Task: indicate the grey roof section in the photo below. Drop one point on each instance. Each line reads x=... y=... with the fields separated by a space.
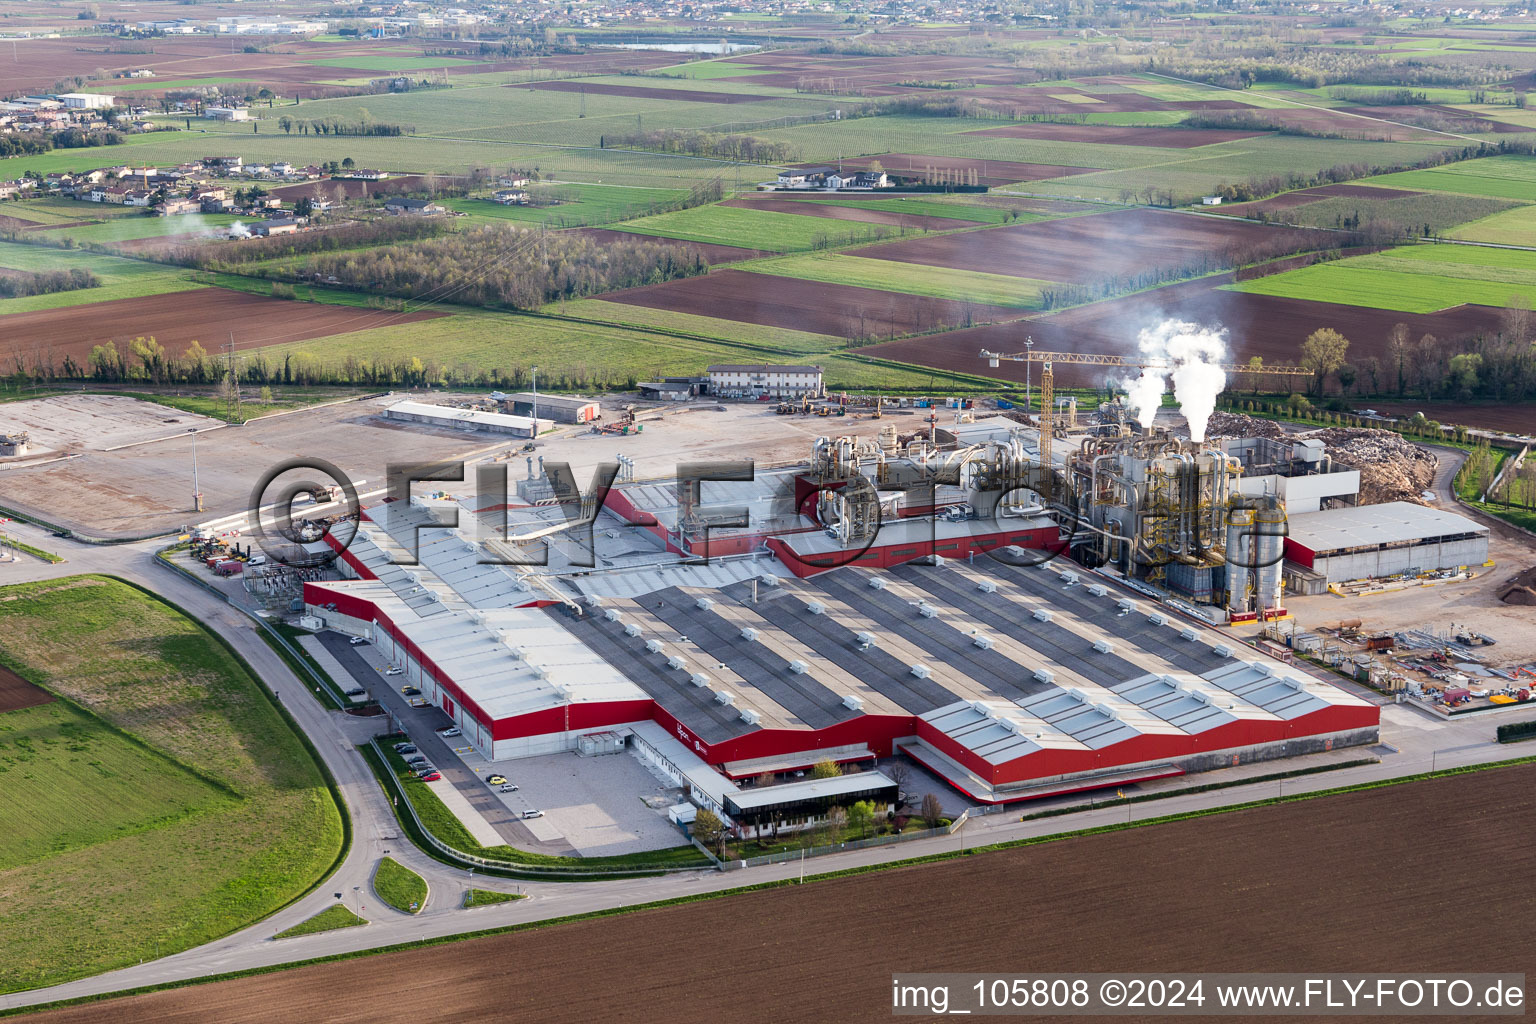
x=763 y=368
x=1188 y=709
x=1389 y=523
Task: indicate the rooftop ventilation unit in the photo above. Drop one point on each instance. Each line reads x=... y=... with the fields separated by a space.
x=815 y=607
x=921 y=671
x=1069 y=578
x=612 y=615
x=1224 y=650
x=877 y=583
x=798 y=667
x=471 y=546
x=704 y=604
x=593 y=601
x=984 y=642
x=676 y=661
x=434 y=596
x=1044 y=614
x=1098 y=590
x=1045 y=675
x=1294 y=683
x=1200 y=695
x=1125 y=607
x=632 y=629
x=854 y=701
x=748 y=633
x=477 y=615
x=1107 y=711
x=769 y=580
x=1265 y=668
x=751 y=717
x=1158 y=619
x=539 y=671
x=938 y=561
x=725 y=698
x=699 y=679
x=926 y=610
x=1103 y=646
x=653 y=645
x=866 y=639
x=987 y=586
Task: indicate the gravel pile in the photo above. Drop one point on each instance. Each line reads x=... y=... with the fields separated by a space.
x=1521 y=589
x=1391 y=468
x=1235 y=424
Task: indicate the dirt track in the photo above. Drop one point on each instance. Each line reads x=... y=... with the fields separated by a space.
x=1083 y=249
x=1120 y=135
x=16 y=692
x=177 y=319
x=836 y=309
x=1345 y=883
x=1260 y=325
x=811 y=208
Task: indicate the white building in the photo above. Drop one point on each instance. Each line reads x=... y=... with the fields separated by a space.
x=460 y=419
x=1371 y=541
x=227 y=113
x=753 y=379
x=85 y=100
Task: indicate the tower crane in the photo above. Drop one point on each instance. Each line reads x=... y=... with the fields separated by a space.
x=994 y=359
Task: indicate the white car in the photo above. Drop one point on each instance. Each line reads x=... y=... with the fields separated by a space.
x=358 y=641
x=452 y=730
x=530 y=813
x=392 y=671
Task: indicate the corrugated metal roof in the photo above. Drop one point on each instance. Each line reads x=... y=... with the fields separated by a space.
x=1389 y=523
x=467 y=417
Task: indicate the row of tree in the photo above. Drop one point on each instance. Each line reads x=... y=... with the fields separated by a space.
x=737 y=148
x=348 y=235
x=336 y=126
x=16 y=284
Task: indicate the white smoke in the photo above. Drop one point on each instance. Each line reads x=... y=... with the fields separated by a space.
x=1189 y=353
x=239 y=230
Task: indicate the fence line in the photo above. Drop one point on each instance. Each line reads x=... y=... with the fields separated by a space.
x=856 y=844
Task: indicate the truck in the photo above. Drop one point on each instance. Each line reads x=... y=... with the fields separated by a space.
x=233 y=567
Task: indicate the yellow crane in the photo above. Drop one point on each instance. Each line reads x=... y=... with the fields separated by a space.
x=994 y=359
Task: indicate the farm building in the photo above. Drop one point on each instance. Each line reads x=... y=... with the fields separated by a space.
x=556 y=408
x=460 y=419
x=1370 y=541
x=226 y=113
x=85 y=100
x=414 y=206
x=753 y=379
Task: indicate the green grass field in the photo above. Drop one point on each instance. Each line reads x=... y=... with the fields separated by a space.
x=170 y=802
x=127 y=229
x=1511 y=227
x=712 y=69
x=907 y=278
x=757 y=229
x=329 y=919
x=1497 y=177
x=1413 y=279
x=399 y=886
x=367 y=63
x=957 y=209
x=121 y=278
x=596 y=205
x=486 y=898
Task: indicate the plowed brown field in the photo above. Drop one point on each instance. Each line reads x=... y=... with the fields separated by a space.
x=1097 y=246
x=1292 y=887
x=1120 y=135
x=988 y=172
x=832 y=210
x=649 y=92
x=16 y=692
x=175 y=320
x=836 y=309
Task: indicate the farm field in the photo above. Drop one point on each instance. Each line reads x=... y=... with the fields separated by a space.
x=596 y=204
x=208 y=315
x=1515 y=226
x=1496 y=177
x=131 y=229
x=161 y=759
x=909 y=279
x=757 y=229
x=1414 y=279
x=1259 y=325
x=837 y=309
x=1305 y=917
x=864 y=215
x=955 y=208
x=714 y=254
x=121 y=278
x=1074 y=248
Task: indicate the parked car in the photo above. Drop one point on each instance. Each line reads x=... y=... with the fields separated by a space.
x=425 y=770
x=507 y=787
x=406 y=747
x=418 y=702
x=411 y=691
x=358 y=641
x=495 y=779
x=452 y=730
x=531 y=813
x=416 y=759
x=392 y=671
x=431 y=776
x=356 y=691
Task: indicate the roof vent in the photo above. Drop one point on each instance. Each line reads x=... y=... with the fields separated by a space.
x=984 y=642
x=632 y=629
x=1106 y=711
x=676 y=661
x=1103 y=646
x=725 y=698
x=1224 y=650
x=877 y=583
x=699 y=679
x=1125 y=607
x=653 y=645
x=938 y=561
x=798 y=667
x=1045 y=675
x=1294 y=683
x=926 y=610
x=751 y=717
x=471 y=546
x=854 y=701
x=1189 y=633
x=539 y=671
x=593 y=601
x=1098 y=589
x=612 y=615
x=704 y=604
x=748 y=633
x=815 y=607
x=921 y=671
x=1069 y=578
x=1199 y=695
x=1044 y=614
x=477 y=615
x=987 y=586
x=769 y=580
x=1157 y=619
x=866 y=639
x=1265 y=668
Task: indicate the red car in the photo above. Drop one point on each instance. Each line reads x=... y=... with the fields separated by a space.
x=431 y=776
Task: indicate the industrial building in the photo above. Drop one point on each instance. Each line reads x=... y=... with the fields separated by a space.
x=751 y=380
x=17 y=443
x=431 y=415
x=555 y=408
x=1371 y=541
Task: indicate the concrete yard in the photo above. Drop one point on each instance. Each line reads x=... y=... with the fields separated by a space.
x=593 y=803
x=65 y=424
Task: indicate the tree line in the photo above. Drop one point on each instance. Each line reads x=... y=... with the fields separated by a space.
x=349 y=235
x=736 y=148
x=17 y=284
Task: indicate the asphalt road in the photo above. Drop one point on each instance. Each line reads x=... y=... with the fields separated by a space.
x=1420 y=742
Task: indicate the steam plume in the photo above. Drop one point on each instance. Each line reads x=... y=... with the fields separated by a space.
x=1189 y=353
